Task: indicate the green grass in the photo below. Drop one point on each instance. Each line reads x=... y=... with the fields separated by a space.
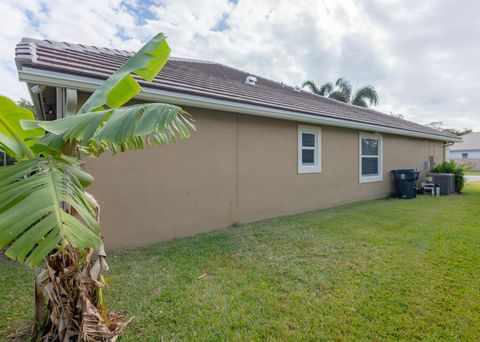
x=472 y=173
x=377 y=270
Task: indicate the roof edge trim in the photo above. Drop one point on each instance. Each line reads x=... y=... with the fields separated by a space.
x=58 y=79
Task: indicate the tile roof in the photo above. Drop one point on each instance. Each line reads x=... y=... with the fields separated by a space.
x=203 y=78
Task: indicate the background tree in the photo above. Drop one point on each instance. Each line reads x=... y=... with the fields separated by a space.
x=47 y=217
x=24 y=103
x=343 y=91
x=324 y=90
x=398 y=116
x=458 y=132
x=438 y=125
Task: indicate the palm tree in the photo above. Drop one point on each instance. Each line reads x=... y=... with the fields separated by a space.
x=343 y=92
x=364 y=94
x=24 y=103
x=323 y=90
x=46 y=216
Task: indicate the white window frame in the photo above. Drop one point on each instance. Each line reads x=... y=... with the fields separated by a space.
x=379 y=177
x=317 y=155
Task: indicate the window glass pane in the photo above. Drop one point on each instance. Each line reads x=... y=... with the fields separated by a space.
x=464 y=155
x=308 y=139
x=5 y=159
x=369 y=166
x=10 y=160
x=370 y=147
x=308 y=157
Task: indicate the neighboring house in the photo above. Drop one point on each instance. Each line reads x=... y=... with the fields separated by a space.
x=467 y=151
x=262 y=149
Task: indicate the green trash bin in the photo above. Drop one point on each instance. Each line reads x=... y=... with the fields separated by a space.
x=405 y=183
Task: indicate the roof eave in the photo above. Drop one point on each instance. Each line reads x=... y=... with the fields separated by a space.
x=465 y=150
x=59 y=79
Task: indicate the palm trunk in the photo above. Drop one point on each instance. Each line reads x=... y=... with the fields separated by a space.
x=69 y=299
x=69 y=302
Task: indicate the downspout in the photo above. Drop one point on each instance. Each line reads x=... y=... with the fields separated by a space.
x=66 y=102
x=71 y=99
x=445 y=146
x=67 y=105
x=35 y=91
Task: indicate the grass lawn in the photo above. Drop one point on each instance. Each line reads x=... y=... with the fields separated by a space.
x=377 y=270
x=472 y=173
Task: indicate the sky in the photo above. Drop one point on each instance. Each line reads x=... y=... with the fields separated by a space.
x=421 y=56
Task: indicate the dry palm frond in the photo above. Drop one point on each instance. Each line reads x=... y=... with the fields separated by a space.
x=71 y=294
x=69 y=288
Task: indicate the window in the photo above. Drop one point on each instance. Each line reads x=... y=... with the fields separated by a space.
x=464 y=155
x=5 y=159
x=371 y=164
x=309 y=149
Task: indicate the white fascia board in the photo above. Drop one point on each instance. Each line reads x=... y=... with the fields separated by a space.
x=58 y=79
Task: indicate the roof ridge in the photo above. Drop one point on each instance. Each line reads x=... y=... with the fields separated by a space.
x=92 y=48
x=76 y=47
x=252 y=74
x=191 y=60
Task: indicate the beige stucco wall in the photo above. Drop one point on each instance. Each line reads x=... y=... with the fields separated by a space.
x=235 y=168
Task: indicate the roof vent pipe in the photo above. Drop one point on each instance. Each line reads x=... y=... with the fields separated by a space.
x=297 y=88
x=251 y=80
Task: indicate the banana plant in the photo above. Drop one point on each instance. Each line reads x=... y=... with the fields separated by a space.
x=46 y=216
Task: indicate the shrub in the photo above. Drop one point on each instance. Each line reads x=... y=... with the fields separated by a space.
x=452 y=167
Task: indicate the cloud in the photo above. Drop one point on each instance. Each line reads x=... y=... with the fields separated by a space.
x=420 y=56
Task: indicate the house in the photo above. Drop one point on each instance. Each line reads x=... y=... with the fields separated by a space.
x=467 y=152
x=262 y=149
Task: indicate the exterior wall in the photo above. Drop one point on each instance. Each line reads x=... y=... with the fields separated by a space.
x=235 y=168
x=458 y=154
